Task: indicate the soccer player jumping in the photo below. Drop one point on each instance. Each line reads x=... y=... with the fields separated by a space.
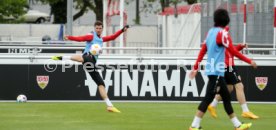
x=217 y=40
x=87 y=57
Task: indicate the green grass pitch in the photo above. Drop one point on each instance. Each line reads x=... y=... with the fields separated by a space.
x=134 y=116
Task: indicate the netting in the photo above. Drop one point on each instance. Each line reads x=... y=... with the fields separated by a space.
x=259 y=24
x=183 y=30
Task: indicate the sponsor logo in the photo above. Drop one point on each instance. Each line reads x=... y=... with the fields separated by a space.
x=126 y=84
x=42 y=81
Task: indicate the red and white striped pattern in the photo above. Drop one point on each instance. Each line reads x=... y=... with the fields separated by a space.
x=244 y=21
x=113 y=9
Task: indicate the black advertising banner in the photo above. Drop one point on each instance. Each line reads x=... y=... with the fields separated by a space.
x=14 y=80
x=125 y=82
x=259 y=84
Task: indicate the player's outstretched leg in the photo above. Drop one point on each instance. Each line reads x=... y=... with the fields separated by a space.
x=110 y=107
x=113 y=109
x=77 y=58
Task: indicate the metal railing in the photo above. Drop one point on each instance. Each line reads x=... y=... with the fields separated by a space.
x=135 y=50
x=138 y=53
x=81 y=47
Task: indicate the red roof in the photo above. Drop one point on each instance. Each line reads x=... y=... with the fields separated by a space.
x=196 y=8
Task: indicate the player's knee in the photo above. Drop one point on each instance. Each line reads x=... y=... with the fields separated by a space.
x=203 y=106
x=230 y=88
x=211 y=93
x=101 y=85
x=218 y=97
x=208 y=98
x=80 y=59
x=225 y=97
x=77 y=58
x=239 y=87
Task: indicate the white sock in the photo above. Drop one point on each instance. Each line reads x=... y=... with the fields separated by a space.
x=66 y=57
x=236 y=122
x=108 y=102
x=214 y=102
x=244 y=108
x=196 y=122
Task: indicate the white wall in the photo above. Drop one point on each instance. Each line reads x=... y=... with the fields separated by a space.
x=183 y=31
x=29 y=31
x=137 y=36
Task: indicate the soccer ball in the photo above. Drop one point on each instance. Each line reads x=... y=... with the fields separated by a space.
x=96 y=49
x=21 y=98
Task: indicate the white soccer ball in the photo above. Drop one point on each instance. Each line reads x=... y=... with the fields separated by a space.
x=96 y=49
x=21 y=98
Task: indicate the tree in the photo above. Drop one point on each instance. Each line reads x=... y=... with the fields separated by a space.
x=164 y=4
x=85 y=5
x=11 y=9
x=137 y=16
x=191 y=1
x=59 y=13
x=147 y=7
x=59 y=9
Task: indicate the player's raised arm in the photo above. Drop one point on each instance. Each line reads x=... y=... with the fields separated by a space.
x=115 y=35
x=87 y=37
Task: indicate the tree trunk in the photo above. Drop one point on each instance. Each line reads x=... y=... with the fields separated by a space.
x=58 y=12
x=191 y=1
x=164 y=4
x=99 y=10
x=137 y=19
x=85 y=4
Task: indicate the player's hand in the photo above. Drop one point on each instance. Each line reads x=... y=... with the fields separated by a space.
x=65 y=38
x=192 y=74
x=253 y=64
x=124 y=29
x=244 y=45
